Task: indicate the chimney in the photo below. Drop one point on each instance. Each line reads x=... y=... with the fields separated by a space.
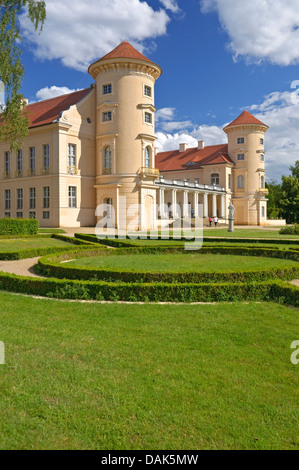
x=183 y=147
x=201 y=145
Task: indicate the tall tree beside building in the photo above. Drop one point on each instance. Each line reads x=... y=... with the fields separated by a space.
x=14 y=121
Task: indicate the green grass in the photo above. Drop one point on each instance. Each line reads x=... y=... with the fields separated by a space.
x=11 y=245
x=181 y=262
x=241 y=233
x=51 y=230
x=90 y=376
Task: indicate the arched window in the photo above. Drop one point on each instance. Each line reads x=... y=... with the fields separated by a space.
x=262 y=182
x=107 y=161
x=215 y=180
x=241 y=182
x=147 y=157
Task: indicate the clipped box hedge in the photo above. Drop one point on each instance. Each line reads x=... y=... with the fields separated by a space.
x=51 y=266
x=151 y=292
x=18 y=227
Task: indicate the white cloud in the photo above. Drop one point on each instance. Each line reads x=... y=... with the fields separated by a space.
x=53 y=91
x=171 y=5
x=78 y=33
x=279 y=110
x=260 y=29
x=165 y=121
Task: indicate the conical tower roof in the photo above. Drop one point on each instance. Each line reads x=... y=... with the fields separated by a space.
x=246 y=118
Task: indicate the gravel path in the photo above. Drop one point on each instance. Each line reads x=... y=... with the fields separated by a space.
x=22 y=267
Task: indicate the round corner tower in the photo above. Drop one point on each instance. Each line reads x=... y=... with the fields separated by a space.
x=125 y=129
x=246 y=147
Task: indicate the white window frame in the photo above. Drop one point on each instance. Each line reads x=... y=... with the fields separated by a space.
x=7 y=199
x=242 y=139
x=32 y=198
x=107 y=160
x=72 y=157
x=46 y=156
x=241 y=157
x=46 y=197
x=147 y=114
x=216 y=177
x=147 y=87
x=106 y=85
x=32 y=158
x=147 y=156
x=72 y=198
x=262 y=157
x=105 y=117
x=241 y=182
x=20 y=160
x=20 y=197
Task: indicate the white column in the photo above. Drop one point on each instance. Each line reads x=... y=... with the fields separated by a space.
x=162 y=202
x=174 y=202
x=222 y=206
x=214 y=214
x=185 y=205
x=195 y=202
x=205 y=205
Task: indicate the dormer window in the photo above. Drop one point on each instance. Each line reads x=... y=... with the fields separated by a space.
x=107 y=89
x=148 y=91
x=241 y=140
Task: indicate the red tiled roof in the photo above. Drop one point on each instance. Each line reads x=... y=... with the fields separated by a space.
x=126 y=51
x=192 y=158
x=47 y=111
x=245 y=118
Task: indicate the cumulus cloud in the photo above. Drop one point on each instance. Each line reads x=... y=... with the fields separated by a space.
x=260 y=30
x=53 y=91
x=279 y=110
x=78 y=33
x=171 y=5
x=165 y=121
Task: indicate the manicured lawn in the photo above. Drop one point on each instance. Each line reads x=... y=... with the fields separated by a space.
x=9 y=245
x=247 y=233
x=181 y=262
x=90 y=376
x=51 y=230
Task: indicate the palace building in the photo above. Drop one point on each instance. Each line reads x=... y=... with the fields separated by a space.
x=97 y=147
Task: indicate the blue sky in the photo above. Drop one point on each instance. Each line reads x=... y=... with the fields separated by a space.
x=218 y=58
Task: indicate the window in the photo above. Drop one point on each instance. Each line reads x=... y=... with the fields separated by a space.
x=32 y=198
x=196 y=180
x=263 y=211
x=46 y=215
x=72 y=196
x=215 y=180
x=147 y=158
x=241 y=182
x=262 y=157
x=147 y=91
x=19 y=161
x=240 y=156
x=71 y=158
x=230 y=181
x=46 y=151
x=7 y=215
x=7 y=162
x=262 y=182
x=107 y=161
x=107 y=89
x=106 y=117
x=109 y=209
x=262 y=141
x=46 y=197
x=7 y=199
x=148 y=118
x=19 y=198
x=32 y=215
x=32 y=159
x=19 y=215
x=240 y=140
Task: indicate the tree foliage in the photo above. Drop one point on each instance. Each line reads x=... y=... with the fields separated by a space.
x=14 y=120
x=283 y=200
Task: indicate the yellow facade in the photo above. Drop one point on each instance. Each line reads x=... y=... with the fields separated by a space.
x=112 y=130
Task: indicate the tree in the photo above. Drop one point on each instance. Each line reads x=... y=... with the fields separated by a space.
x=295 y=170
x=14 y=120
x=274 y=206
x=290 y=198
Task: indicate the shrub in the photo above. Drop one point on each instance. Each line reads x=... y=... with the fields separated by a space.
x=18 y=227
x=290 y=230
